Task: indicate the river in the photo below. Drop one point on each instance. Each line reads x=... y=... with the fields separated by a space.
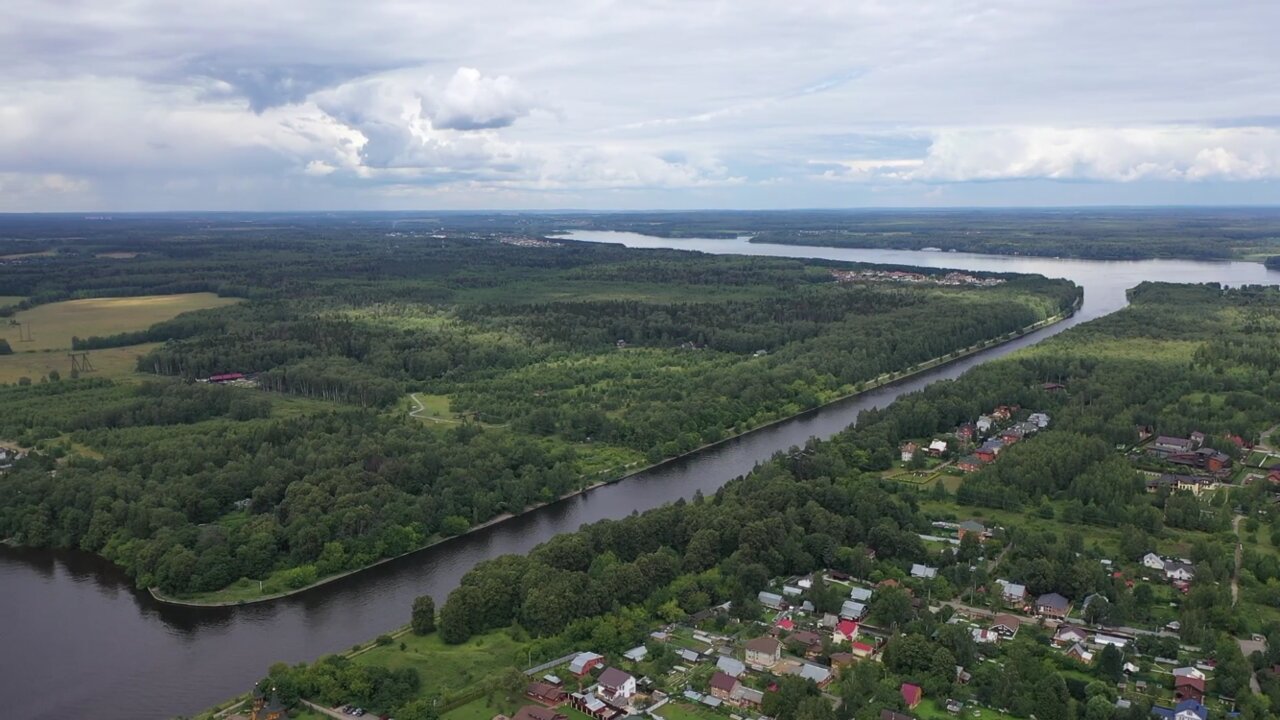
x=77 y=641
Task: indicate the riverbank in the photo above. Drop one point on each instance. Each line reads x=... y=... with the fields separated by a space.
x=212 y=600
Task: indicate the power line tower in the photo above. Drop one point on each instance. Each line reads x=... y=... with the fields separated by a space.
x=80 y=363
x=24 y=330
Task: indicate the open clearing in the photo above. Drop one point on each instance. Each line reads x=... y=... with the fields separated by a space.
x=53 y=325
x=10 y=300
x=108 y=363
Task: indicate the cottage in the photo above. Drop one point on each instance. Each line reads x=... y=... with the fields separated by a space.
x=1013 y=593
x=1041 y=420
x=1175 y=570
x=908 y=451
x=1052 y=605
x=983 y=424
x=583 y=663
x=816 y=674
x=1006 y=625
x=743 y=696
x=773 y=601
x=730 y=666
x=786 y=624
x=1189 y=672
x=862 y=650
x=972 y=527
x=860 y=594
x=1069 y=635
x=1112 y=640
x=637 y=653
x=810 y=643
x=593 y=706
x=911 y=695
x=537 y=712
x=923 y=571
x=1185 y=710
x=1153 y=561
x=846 y=631
x=1188 y=688
x=722 y=685
x=791 y=591
x=1081 y=653
x=989 y=450
x=937 y=448
x=763 y=652
x=1165 y=445
x=852 y=610
x=544 y=693
x=616 y=687
x=689 y=656
x=969 y=463
x=985 y=637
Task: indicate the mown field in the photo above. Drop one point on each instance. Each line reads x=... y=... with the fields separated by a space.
x=52 y=326
x=108 y=363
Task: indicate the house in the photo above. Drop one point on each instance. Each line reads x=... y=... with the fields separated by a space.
x=965 y=432
x=1185 y=710
x=773 y=601
x=636 y=654
x=846 y=631
x=743 y=696
x=843 y=659
x=923 y=571
x=894 y=715
x=1188 y=688
x=791 y=591
x=730 y=666
x=1069 y=635
x=1153 y=561
x=985 y=637
x=722 y=685
x=1052 y=605
x=989 y=450
x=1006 y=625
x=1081 y=653
x=1176 y=570
x=810 y=642
x=583 y=663
x=1039 y=419
x=544 y=693
x=911 y=695
x=593 y=706
x=983 y=424
x=537 y=712
x=1013 y=593
x=852 y=610
x=763 y=652
x=816 y=674
x=972 y=463
x=861 y=650
x=786 y=624
x=972 y=527
x=1165 y=445
x=616 y=687
x=1013 y=435
x=1188 y=672
x=268 y=708
x=937 y=447
x=908 y=451
x=860 y=594
x=1197 y=438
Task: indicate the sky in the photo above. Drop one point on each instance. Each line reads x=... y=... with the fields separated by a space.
x=141 y=105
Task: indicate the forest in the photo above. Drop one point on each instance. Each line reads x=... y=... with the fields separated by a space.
x=552 y=367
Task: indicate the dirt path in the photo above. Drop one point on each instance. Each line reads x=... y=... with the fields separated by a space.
x=423 y=408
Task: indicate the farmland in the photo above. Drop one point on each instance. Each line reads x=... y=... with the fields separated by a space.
x=110 y=363
x=52 y=326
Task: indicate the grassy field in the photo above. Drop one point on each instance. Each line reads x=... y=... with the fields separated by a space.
x=53 y=325
x=109 y=363
x=10 y=300
x=455 y=668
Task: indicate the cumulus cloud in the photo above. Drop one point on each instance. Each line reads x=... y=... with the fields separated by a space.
x=1177 y=153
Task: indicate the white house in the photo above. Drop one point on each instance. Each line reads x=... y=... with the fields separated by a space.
x=937 y=447
x=1112 y=640
x=1153 y=561
x=637 y=653
x=1178 y=571
x=1040 y=419
x=1188 y=672
x=1013 y=593
x=985 y=637
x=984 y=423
x=616 y=686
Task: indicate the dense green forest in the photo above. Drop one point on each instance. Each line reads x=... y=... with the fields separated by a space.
x=547 y=368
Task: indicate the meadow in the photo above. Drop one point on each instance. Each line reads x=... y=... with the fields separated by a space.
x=112 y=363
x=52 y=326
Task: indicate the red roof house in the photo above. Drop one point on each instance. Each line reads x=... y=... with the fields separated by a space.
x=1188 y=687
x=912 y=695
x=787 y=624
x=846 y=631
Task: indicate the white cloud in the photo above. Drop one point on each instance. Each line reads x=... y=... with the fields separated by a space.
x=1175 y=153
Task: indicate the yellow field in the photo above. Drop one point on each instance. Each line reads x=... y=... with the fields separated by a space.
x=110 y=363
x=53 y=325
